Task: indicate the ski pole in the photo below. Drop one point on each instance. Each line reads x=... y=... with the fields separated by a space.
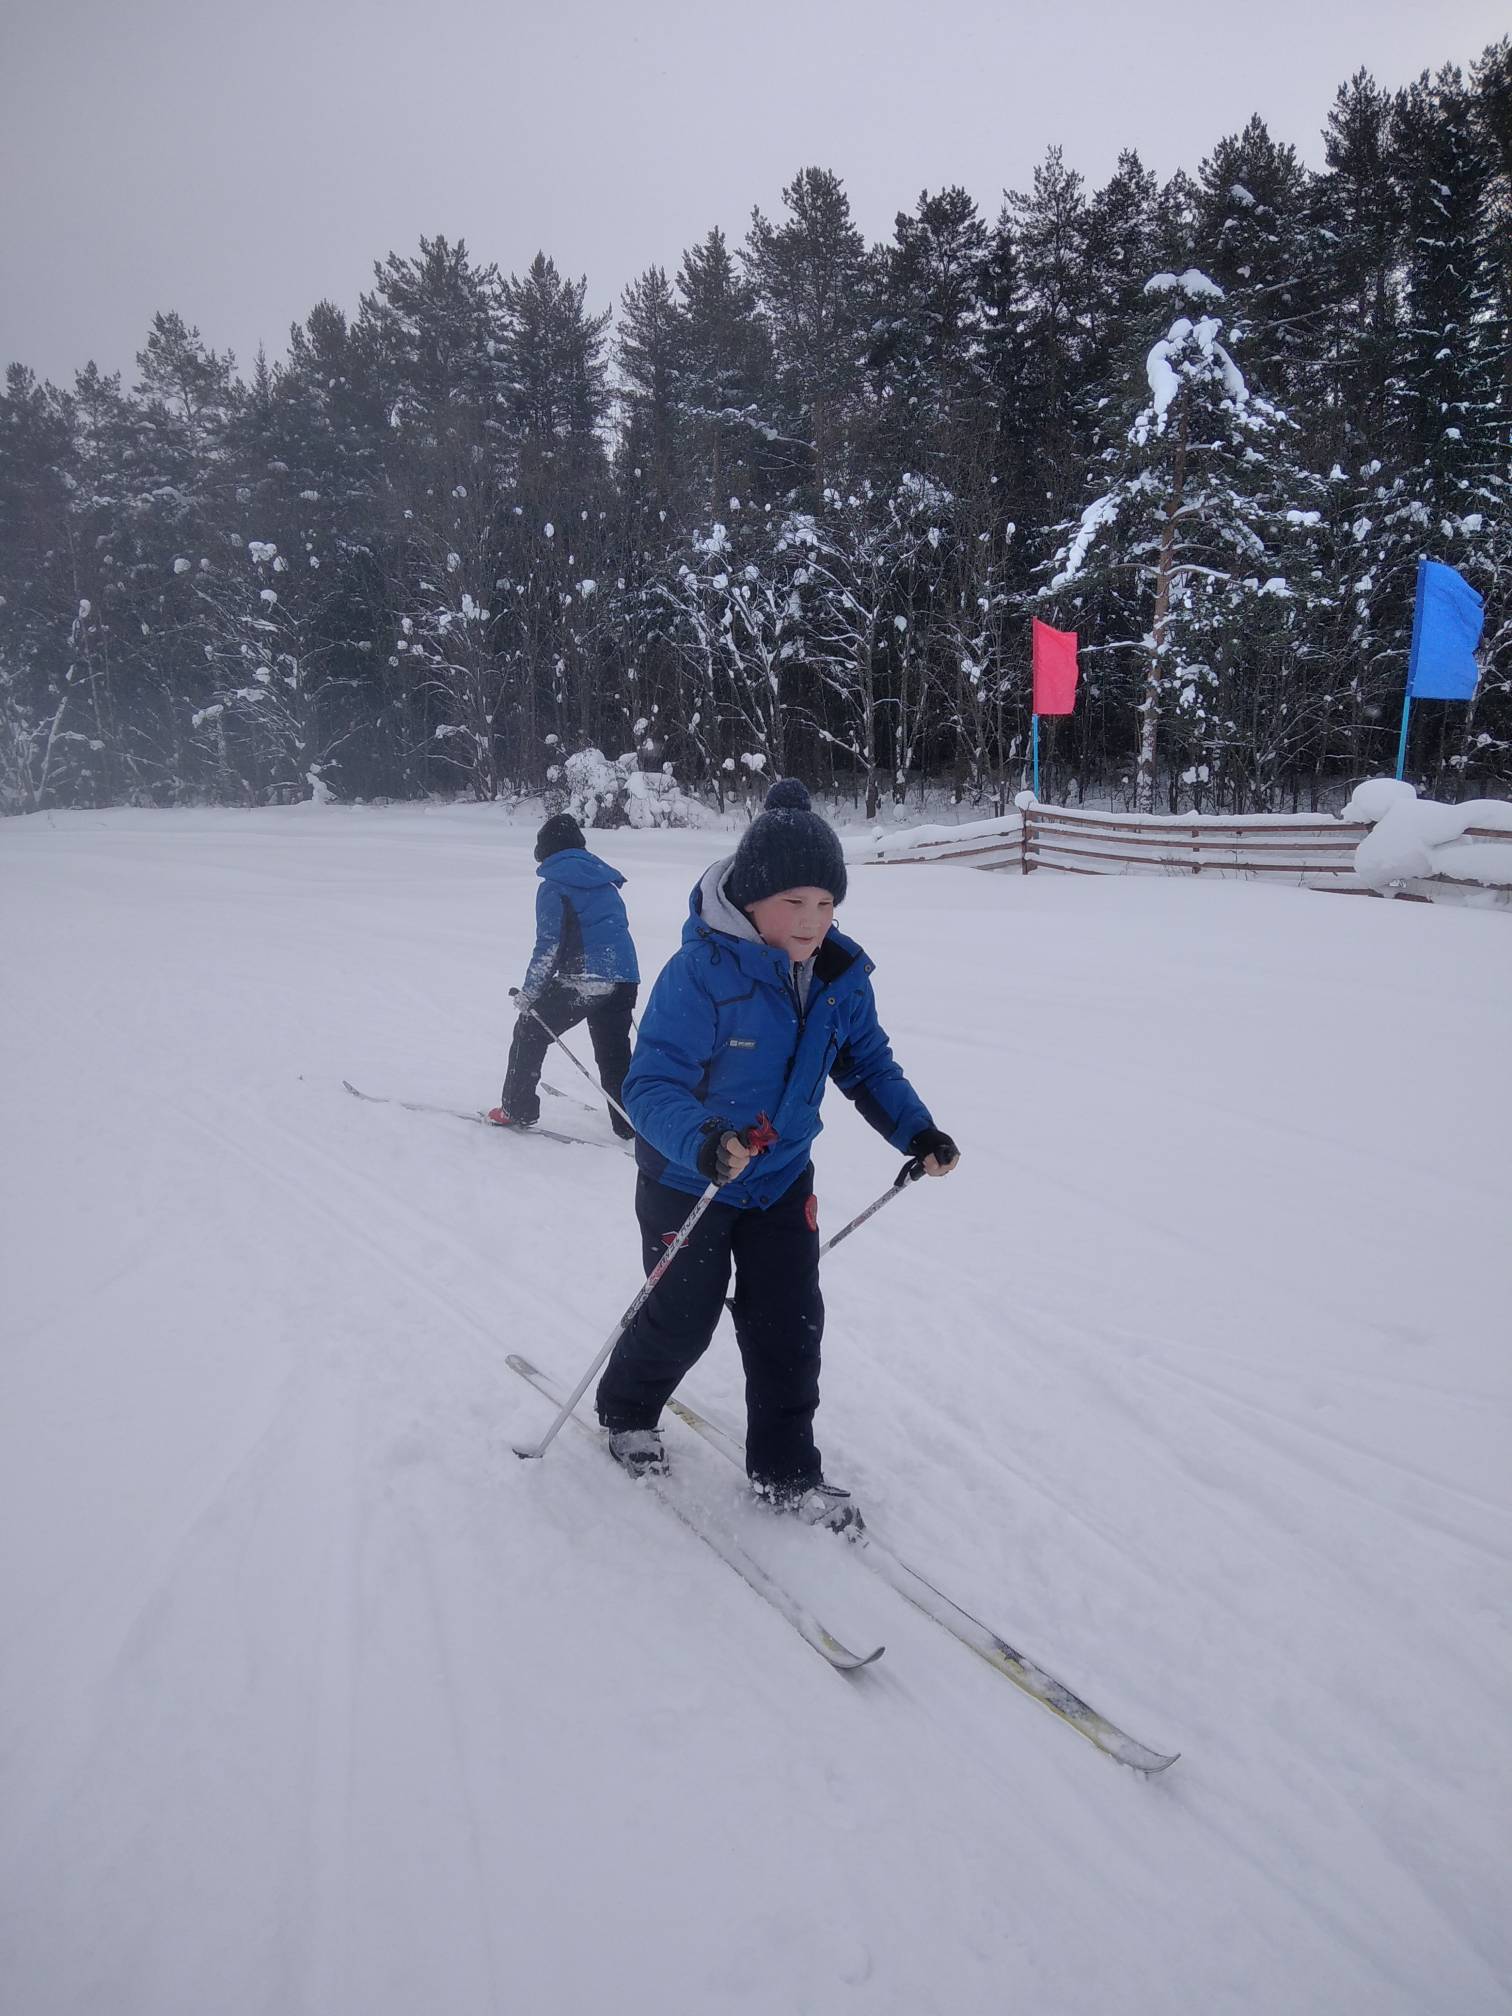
x=757 y=1137
x=514 y=995
x=911 y=1171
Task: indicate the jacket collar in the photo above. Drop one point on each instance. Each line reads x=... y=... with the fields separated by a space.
x=714 y=919
x=579 y=869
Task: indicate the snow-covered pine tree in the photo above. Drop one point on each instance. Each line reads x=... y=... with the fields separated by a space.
x=1196 y=558
x=1485 y=760
x=160 y=532
x=307 y=477
x=1443 y=487
x=57 y=732
x=1257 y=237
x=1359 y=217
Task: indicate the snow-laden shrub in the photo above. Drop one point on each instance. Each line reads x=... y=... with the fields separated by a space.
x=601 y=792
x=1414 y=839
x=653 y=798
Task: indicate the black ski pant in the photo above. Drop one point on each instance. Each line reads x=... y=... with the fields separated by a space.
x=560 y=1008
x=779 y=1321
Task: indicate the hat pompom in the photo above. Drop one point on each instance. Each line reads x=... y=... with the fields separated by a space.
x=788 y=795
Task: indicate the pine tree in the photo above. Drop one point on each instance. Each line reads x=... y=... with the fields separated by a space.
x=1122 y=251
x=1443 y=489
x=649 y=351
x=552 y=359
x=1198 y=540
x=1485 y=759
x=812 y=280
x=430 y=327
x=809 y=525
x=725 y=389
x=1256 y=236
x=49 y=747
x=1361 y=212
x=925 y=348
x=1050 y=230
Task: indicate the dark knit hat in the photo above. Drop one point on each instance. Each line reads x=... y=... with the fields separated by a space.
x=788 y=846
x=559 y=832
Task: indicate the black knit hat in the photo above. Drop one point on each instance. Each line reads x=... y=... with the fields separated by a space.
x=788 y=846
x=560 y=832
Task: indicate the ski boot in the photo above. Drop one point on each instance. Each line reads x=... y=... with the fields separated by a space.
x=819 y=1503
x=639 y=1450
x=497 y=1117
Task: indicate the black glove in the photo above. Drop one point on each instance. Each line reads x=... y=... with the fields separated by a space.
x=713 y=1157
x=930 y=1141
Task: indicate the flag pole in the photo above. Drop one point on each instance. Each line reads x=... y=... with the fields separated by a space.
x=1036 y=755
x=1418 y=597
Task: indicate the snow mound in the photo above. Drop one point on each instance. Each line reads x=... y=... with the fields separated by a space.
x=1414 y=839
x=600 y=791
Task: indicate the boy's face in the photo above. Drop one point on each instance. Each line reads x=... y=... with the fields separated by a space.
x=794 y=920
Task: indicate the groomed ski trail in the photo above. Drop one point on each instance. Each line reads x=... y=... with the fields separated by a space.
x=310 y=1702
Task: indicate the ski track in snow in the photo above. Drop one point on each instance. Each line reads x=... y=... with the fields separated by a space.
x=316 y=1700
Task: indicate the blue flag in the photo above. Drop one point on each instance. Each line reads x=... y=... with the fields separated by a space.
x=1446 y=627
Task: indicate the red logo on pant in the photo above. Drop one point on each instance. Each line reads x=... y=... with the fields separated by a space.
x=811 y=1213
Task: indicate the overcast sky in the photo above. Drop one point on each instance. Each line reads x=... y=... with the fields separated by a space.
x=240 y=162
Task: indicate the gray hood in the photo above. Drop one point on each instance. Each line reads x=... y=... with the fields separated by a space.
x=718 y=911
x=720 y=914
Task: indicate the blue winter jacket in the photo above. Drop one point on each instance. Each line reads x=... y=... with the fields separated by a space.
x=582 y=932
x=723 y=1038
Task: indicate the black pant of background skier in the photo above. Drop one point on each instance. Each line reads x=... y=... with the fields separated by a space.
x=562 y=1004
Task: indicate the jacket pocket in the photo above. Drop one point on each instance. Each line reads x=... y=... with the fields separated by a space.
x=831 y=1051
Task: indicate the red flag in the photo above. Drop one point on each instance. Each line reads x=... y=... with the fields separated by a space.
x=1054 y=669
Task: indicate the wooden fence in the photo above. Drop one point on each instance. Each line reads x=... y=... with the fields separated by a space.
x=1311 y=850
x=1298 y=849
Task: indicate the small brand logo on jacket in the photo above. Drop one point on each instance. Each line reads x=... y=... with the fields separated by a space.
x=741 y=1043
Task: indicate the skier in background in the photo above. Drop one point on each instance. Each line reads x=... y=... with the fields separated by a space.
x=763 y=1003
x=582 y=970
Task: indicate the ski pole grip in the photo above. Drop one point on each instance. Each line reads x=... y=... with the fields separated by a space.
x=760 y=1135
x=911 y=1171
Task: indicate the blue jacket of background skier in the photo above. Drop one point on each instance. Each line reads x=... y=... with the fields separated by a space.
x=582 y=932
x=724 y=1037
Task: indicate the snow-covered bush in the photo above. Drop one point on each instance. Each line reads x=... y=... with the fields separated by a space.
x=653 y=798
x=600 y=791
x=1414 y=839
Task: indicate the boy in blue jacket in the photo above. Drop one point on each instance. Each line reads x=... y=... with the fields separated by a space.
x=582 y=970
x=763 y=1004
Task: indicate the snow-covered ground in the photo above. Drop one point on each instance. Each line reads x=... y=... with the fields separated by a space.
x=1194 y=1381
